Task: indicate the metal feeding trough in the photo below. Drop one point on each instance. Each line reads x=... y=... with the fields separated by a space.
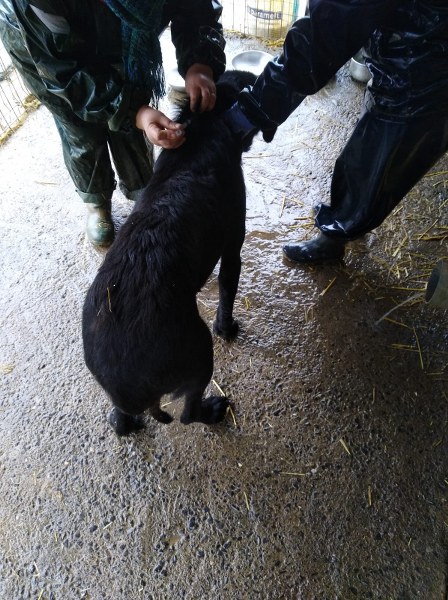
x=437 y=288
x=251 y=60
x=175 y=80
x=358 y=69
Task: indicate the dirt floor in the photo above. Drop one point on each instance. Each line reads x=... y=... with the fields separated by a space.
x=329 y=479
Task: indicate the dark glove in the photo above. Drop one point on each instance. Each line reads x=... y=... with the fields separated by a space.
x=268 y=133
x=238 y=122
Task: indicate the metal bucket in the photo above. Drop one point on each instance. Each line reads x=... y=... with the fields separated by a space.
x=271 y=19
x=437 y=287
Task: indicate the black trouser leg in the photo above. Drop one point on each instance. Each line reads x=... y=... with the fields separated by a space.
x=380 y=164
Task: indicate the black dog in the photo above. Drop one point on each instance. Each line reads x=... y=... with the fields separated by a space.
x=143 y=336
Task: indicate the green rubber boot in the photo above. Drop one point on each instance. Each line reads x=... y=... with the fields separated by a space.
x=100 y=227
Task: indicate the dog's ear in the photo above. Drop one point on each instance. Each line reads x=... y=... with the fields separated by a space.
x=237 y=79
x=246 y=141
x=229 y=85
x=226 y=95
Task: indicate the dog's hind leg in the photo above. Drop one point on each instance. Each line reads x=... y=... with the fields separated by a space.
x=160 y=415
x=124 y=424
x=229 y=274
x=203 y=410
x=198 y=364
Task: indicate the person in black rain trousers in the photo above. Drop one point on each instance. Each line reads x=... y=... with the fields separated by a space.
x=403 y=128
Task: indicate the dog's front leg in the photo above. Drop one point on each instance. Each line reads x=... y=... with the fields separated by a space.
x=229 y=274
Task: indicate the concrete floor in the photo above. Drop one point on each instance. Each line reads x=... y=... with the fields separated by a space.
x=330 y=479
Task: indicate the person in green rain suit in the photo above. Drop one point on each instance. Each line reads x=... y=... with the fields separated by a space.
x=97 y=66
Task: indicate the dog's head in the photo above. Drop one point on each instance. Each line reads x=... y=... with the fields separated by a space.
x=228 y=86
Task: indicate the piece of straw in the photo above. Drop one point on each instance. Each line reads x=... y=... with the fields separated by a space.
x=419 y=350
x=346 y=448
x=328 y=287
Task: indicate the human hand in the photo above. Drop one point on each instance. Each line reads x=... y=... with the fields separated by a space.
x=159 y=129
x=200 y=87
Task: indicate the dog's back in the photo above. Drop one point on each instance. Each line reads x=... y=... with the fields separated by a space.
x=143 y=336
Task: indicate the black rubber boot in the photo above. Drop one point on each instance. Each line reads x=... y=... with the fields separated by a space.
x=100 y=227
x=319 y=250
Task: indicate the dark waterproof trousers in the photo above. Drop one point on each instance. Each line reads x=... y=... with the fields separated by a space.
x=87 y=146
x=403 y=129
x=384 y=158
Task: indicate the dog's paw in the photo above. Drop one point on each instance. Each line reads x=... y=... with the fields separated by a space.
x=162 y=417
x=226 y=331
x=213 y=409
x=124 y=424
